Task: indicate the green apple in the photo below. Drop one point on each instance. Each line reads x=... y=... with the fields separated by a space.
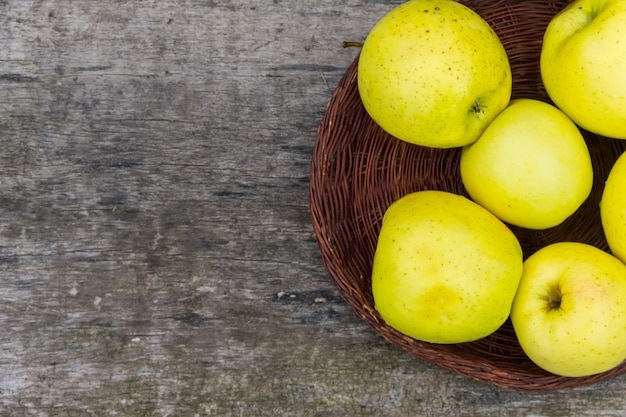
x=613 y=208
x=531 y=167
x=583 y=66
x=433 y=73
x=445 y=270
x=569 y=313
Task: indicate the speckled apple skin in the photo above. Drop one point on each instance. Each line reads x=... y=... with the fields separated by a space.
x=586 y=334
x=583 y=64
x=434 y=73
x=445 y=269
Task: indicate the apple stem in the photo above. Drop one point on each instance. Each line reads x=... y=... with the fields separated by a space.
x=348 y=44
x=477 y=106
x=554 y=298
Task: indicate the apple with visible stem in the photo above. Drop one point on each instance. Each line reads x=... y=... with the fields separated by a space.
x=583 y=64
x=569 y=312
x=433 y=73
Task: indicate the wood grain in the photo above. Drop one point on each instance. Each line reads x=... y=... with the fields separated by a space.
x=156 y=252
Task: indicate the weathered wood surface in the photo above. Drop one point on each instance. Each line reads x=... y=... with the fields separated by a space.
x=156 y=253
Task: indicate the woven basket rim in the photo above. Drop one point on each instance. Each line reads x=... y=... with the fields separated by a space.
x=343 y=213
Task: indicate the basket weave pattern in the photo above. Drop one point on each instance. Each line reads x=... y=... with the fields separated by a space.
x=358 y=170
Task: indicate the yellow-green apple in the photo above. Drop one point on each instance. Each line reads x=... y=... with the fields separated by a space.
x=583 y=64
x=433 y=73
x=569 y=313
x=531 y=167
x=445 y=270
x=613 y=208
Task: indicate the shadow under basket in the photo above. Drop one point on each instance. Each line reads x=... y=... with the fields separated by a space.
x=358 y=170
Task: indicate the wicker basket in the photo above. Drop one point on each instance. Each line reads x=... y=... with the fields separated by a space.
x=358 y=170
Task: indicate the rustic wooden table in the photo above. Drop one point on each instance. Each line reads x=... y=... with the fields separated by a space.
x=156 y=251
